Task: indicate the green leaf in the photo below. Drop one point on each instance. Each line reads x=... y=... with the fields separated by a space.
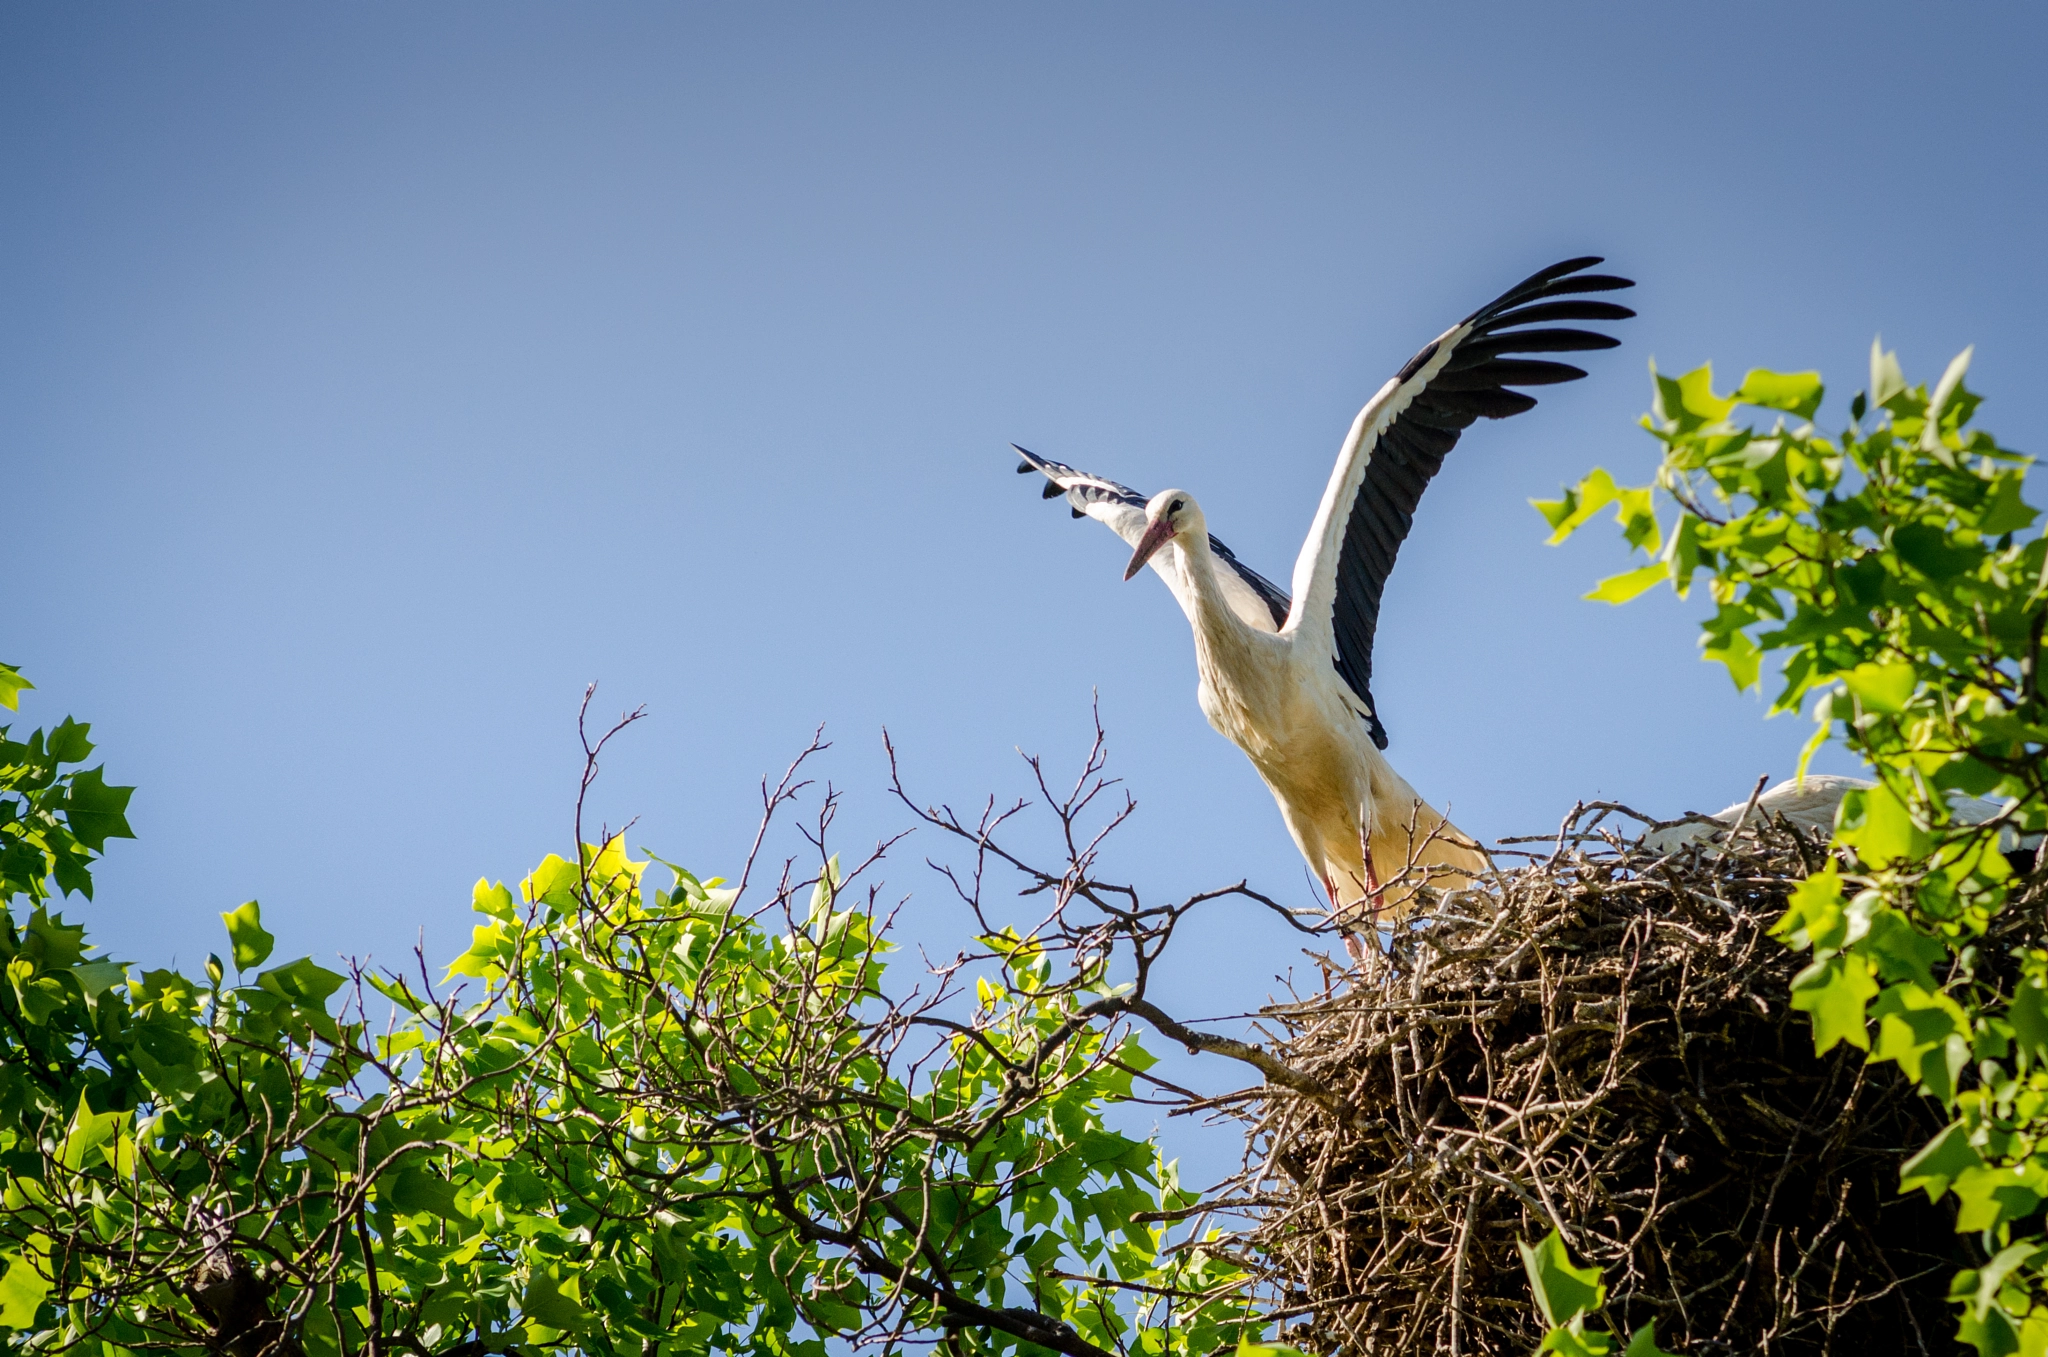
x=1902 y=952
x=302 y=982
x=1682 y=553
x=245 y=930
x=1993 y=1334
x=97 y=977
x=1835 y=992
x=23 y=1288
x=1636 y=511
x=1991 y=1277
x=1689 y=403
x=1643 y=1343
x=1813 y=913
x=41 y=997
x=1881 y=828
x=1556 y=511
x=1939 y=1161
x=1886 y=378
x=1618 y=589
x=397 y=990
x=1797 y=393
x=2029 y=1018
x=416 y=1190
x=1579 y=504
x=2034 y=1333
x=1572 y=1340
x=549 y=1302
x=1988 y=1195
x=1563 y=1291
x=70 y=742
x=89 y=1130
x=1247 y=1348
x=2004 y=510
x=826 y=892
x=11 y=684
x=96 y=812
x=1926 y=1033
x=1945 y=389
x=555 y=882
x=1738 y=654
x=54 y=944
x=1883 y=687
x=493 y=899
x=1933 y=552
x=169 y=1077
x=490 y=950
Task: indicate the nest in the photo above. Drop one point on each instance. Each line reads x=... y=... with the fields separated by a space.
x=1598 y=1042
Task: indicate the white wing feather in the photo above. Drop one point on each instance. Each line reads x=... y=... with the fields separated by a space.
x=1315 y=570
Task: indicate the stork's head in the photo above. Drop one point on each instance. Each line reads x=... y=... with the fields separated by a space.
x=1169 y=514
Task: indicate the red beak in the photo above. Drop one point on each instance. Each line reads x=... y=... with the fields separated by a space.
x=1157 y=534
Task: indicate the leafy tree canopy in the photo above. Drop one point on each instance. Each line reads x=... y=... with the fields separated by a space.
x=627 y=1119
x=1899 y=579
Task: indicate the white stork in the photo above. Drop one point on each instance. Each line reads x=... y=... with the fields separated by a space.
x=1812 y=804
x=1290 y=684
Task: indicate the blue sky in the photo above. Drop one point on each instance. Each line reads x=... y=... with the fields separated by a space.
x=374 y=377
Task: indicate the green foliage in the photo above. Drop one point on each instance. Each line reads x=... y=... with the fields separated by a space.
x=246 y=936
x=631 y=1120
x=54 y=820
x=1247 y=1348
x=1898 y=576
x=1566 y=1295
x=11 y=684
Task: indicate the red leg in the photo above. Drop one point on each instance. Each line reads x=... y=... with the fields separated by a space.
x=1353 y=944
x=1371 y=901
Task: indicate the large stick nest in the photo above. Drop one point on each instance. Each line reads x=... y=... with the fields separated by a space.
x=1599 y=1041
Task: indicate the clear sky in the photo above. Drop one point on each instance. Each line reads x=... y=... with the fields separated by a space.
x=373 y=377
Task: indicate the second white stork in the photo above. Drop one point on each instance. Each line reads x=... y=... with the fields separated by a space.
x=1289 y=680
x=1812 y=804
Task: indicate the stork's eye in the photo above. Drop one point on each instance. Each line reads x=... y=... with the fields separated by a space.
x=1176 y=506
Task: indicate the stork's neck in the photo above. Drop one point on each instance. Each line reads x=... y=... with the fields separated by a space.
x=1216 y=624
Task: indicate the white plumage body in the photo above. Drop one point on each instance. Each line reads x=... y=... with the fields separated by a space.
x=1283 y=704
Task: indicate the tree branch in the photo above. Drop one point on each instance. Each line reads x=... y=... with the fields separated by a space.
x=1200 y=1043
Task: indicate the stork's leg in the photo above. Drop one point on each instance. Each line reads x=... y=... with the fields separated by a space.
x=1353 y=944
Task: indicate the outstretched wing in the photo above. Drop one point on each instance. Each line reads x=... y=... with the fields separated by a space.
x=1255 y=599
x=1399 y=440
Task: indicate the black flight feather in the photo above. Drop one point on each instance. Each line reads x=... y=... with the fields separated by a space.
x=1471 y=384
